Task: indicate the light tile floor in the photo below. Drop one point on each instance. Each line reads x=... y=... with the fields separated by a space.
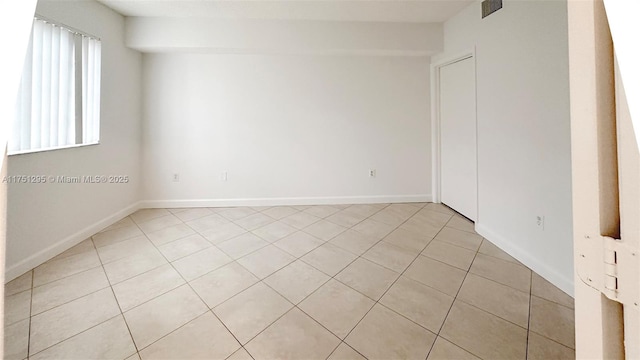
x=399 y=281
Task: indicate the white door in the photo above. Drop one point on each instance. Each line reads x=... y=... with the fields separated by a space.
x=458 y=162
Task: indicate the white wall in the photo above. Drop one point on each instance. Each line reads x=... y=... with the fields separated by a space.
x=523 y=130
x=287 y=129
x=44 y=220
x=161 y=34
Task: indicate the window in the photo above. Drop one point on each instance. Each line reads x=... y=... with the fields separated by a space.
x=58 y=103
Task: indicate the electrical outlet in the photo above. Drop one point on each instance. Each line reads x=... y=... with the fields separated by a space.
x=372 y=173
x=540 y=222
x=223 y=176
x=176 y=177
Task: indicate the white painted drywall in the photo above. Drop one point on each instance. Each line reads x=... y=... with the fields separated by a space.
x=42 y=219
x=285 y=128
x=152 y=34
x=523 y=130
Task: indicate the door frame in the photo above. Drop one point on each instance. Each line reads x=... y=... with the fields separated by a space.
x=436 y=163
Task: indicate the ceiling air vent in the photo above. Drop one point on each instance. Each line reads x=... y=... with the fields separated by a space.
x=490 y=6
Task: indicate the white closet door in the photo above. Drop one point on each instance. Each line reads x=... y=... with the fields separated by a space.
x=458 y=167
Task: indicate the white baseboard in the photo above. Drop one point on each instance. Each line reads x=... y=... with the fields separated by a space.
x=42 y=256
x=561 y=281
x=285 y=201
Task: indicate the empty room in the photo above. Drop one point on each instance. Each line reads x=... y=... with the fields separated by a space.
x=222 y=179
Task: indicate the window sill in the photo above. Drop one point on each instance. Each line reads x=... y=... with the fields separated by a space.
x=24 y=152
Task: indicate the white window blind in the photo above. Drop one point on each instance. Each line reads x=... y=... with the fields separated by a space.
x=91 y=50
x=58 y=103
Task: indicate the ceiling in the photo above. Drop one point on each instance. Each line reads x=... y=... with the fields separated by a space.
x=321 y=10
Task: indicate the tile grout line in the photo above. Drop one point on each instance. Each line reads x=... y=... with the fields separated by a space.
x=74 y=335
x=494 y=281
x=196 y=232
x=466 y=248
x=551 y=301
x=455 y=297
x=73 y=274
x=330 y=278
x=85 y=330
x=488 y=312
x=199 y=297
x=172 y=241
x=526 y=349
x=166 y=292
x=115 y=297
x=483 y=310
x=68 y=276
x=544 y=336
x=511 y=288
x=489 y=279
x=401 y=274
x=300 y=257
x=33 y=275
x=350 y=347
x=384 y=293
x=119 y=239
x=295 y=305
x=283 y=315
x=554 y=341
x=70 y=301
